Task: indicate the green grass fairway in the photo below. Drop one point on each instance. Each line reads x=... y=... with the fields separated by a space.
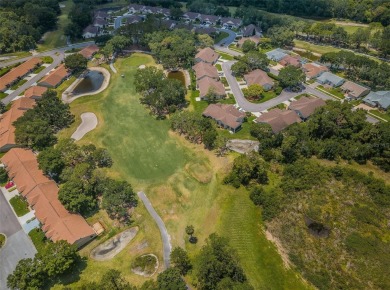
x=56 y=38
x=239 y=222
x=321 y=49
x=182 y=180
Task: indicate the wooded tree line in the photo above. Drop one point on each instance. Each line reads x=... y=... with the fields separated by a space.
x=24 y=22
x=333 y=132
x=362 y=11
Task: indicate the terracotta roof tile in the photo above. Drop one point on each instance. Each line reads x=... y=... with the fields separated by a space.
x=278 y=119
x=35 y=91
x=203 y=69
x=55 y=77
x=89 y=51
x=206 y=83
x=207 y=55
x=258 y=77
x=18 y=72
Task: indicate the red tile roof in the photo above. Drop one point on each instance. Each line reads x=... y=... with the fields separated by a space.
x=258 y=77
x=206 y=83
x=18 y=72
x=313 y=70
x=7 y=129
x=203 y=69
x=226 y=114
x=278 y=119
x=54 y=78
x=89 y=51
x=207 y=55
x=42 y=194
x=290 y=60
x=35 y=91
x=306 y=106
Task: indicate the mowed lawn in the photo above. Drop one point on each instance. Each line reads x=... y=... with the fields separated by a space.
x=182 y=180
x=321 y=49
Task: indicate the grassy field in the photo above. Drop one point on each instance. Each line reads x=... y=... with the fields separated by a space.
x=225 y=55
x=56 y=38
x=182 y=180
x=20 y=205
x=2 y=240
x=321 y=49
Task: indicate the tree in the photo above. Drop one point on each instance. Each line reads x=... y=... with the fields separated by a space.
x=180 y=260
x=118 y=43
x=76 y=197
x=176 y=13
x=33 y=132
x=118 y=199
x=270 y=201
x=171 y=279
x=240 y=68
x=54 y=111
x=113 y=280
x=248 y=45
x=190 y=230
x=27 y=275
x=281 y=35
x=205 y=40
x=291 y=76
x=51 y=163
x=253 y=91
x=58 y=258
x=215 y=262
x=76 y=62
x=247 y=168
x=3 y=175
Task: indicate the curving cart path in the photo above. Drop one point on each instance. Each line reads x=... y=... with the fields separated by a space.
x=167 y=247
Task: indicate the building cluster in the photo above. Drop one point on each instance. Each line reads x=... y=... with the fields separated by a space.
x=100 y=21
x=298 y=111
x=42 y=195
x=207 y=77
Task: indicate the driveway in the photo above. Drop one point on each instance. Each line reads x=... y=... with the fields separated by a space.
x=167 y=247
x=243 y=102
x=18 y=245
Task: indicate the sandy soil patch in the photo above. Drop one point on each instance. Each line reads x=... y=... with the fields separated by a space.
x=113 y=246
x=89 y=122
x=281 y=250
x=143 y=273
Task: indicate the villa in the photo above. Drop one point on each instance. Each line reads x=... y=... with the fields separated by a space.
x=354 y=90
x=203 y=70
x=313 y=70
x=259 y=77
x=207 y=85
x=226 y=116
x=90 y=31
x=35 y=92
x=42 y=195
x=251 y=30
x=278 y=119
x=305 y=106
x=254 y=38
x=330 y=79
x=276 y=54
x=207 y=55
x=89 y=51
x=55 y=78
x=380 y=99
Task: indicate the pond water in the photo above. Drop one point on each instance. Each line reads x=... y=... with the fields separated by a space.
x=92 y=82
x=177 y=75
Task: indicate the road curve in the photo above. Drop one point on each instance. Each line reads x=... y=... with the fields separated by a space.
x=167 y=247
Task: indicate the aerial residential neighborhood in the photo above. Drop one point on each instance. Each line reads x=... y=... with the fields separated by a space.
x=194 y=145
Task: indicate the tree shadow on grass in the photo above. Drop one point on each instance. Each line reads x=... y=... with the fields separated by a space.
x=71 y=276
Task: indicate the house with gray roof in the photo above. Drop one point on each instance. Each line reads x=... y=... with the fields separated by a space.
x=251 y=30
x=276 y=54
x=330 y=79
x=191 y=16
x=380 y=99
x=231 y=22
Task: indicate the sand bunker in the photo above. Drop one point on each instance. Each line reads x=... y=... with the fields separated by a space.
x=113 y=246
x=89 y=122
x=243 y=146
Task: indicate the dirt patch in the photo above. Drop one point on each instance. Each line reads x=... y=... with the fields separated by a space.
x=281 y=250
x=144 y=265
x=113 y=246
x=243 y=146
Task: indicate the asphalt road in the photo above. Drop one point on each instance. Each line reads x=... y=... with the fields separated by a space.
x=18 y=245
x=161 y=226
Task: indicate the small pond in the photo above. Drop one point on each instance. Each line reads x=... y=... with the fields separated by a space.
x=91 y=82
x=177 y=75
